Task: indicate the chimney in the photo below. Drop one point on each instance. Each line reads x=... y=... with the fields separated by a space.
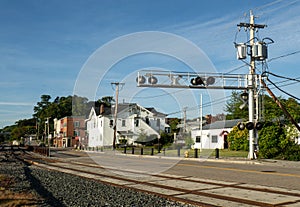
x=101 y=108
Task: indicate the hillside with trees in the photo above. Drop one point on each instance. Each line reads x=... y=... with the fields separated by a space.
x=51 y=108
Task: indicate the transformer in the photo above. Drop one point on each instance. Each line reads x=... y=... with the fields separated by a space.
x=241 y=52
x=260 y=51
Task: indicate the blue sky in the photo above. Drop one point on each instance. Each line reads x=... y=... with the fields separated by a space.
x=44 y=45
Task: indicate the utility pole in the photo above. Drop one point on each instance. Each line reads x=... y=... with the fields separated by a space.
x=48 y=137
x=201 y=121
x=252 y=90
x=252 y=87
x=184 y=119
x=117 y=84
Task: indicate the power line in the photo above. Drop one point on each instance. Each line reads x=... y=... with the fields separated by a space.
x=237 y=68
x=283 y=90
x=282 y=56
x=280 y=76
x=211 y=103
x=155 y=96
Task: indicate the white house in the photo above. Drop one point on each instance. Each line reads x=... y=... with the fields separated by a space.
x=132 y=121
x=213 y=135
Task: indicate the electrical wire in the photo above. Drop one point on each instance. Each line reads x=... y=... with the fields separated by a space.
x=283 y=90
x=211 y=103
x=282 y=56
x=287 y=84
x=235 y=69
x=156 y=96
x=280 y=76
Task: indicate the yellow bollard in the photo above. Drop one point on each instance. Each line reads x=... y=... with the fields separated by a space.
x=186 y=154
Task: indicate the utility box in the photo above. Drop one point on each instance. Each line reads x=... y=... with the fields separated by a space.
x=241 y=52
x=260 y=51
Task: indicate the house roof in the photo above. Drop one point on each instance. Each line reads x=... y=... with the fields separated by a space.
x=106 y=111
x=153 y=110
x=222 y=124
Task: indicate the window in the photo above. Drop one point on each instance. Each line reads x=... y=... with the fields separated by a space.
x=214 y=139
x=137 y=122
x=123 y=123
x=158 y=122
x=198 y=139
x=76 y=124
x=76 y=133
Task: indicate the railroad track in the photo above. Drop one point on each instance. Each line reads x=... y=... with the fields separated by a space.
x=190 y=190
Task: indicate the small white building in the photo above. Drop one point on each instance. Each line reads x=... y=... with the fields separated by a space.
x=132 y=121
x=213 y=135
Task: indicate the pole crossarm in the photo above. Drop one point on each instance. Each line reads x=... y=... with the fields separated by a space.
x=171 y=79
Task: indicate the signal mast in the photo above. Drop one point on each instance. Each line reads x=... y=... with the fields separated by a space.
x=255 y=48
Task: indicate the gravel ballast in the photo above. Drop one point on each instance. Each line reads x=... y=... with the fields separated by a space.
x=51 y=188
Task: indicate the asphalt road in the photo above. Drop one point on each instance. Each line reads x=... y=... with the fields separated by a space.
x=281 y=174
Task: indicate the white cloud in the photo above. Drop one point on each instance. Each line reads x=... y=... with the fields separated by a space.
x=16 y=103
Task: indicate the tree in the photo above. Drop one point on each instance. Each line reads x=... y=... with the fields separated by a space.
x=238 y=139
x=276 y=138
x=79 y=106
x=173 y=125
x=271 y=140
x=106 y=101
x=39 y=109
x=189 y=141
x=233 y=107
x=143 y=137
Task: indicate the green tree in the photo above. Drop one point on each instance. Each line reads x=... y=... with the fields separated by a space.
x=272 y=140
x=166 y=138
x=173 y=125
x=189 y=141
x=276 y=138
x=142 y=138
x=233 y=107
x=238 y=139
x=106 y=101
x=79 y=106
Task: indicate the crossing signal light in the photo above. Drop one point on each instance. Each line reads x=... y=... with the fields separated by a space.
x=202 y=81
x=152 y=80
x=241 y=126
x=259 y=125
x=210 y=81
x=197 y=81
x=250 y=125
x=141 y=79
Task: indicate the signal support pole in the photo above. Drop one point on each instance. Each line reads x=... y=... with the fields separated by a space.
x=252 y=87
x=252 y=90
